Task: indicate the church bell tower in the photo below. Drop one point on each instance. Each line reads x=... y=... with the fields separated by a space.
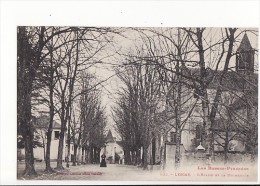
x=245 y=57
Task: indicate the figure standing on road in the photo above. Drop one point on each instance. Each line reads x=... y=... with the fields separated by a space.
x=103 y=161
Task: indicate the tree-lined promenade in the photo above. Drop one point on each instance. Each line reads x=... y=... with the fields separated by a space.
x=165 y=75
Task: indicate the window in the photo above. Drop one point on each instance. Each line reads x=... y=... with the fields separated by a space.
x=56 y=135
x=198 y=132
x=241 y=62
x=245 y=61
x=173 y=137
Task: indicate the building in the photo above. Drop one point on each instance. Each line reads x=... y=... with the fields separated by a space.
x=112 y=149
x=231 y=121
x=236 y=83
x=40 y=127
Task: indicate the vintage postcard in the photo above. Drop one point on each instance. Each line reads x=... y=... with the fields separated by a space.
x=169 y=104
x=106 y=103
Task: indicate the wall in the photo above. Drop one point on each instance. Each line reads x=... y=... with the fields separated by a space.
x=39 y=151
x=234 y=145
x=170 y=154
x=110 y=150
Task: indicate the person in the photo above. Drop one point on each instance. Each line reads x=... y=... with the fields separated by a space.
x=103 y=161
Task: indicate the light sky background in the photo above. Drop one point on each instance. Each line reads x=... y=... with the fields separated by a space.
x=186 y=13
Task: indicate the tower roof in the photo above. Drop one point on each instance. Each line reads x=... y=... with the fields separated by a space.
x=245 y=44
x=110 y=137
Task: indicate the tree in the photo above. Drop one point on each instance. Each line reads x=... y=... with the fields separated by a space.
x=225 y=127
x=194 y=55
x=27 y=58
x=88 y=125
x=137 y=106
x=170 y=68
x=31 y=52
x=82 y=54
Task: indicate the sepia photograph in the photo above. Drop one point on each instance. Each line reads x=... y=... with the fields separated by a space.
x=108 y=103
x=135 y=92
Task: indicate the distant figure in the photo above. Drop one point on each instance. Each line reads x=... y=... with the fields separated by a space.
x=103 y=161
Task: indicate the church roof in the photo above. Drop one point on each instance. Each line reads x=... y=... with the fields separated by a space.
x=232 y=80
x=241 y=103
x=109 y=137
x=120 y=143
x=220 y=125
x=245 y=44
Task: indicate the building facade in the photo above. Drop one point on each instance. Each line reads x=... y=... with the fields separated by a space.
x=237 y=109
x=40 y=127
x=112 y=149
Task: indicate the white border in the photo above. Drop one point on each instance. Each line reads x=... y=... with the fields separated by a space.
x=232 y=13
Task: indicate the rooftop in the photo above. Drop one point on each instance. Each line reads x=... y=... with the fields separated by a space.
x=109 y=137
x=43 y=122
x=232 y=80
x=245 y=44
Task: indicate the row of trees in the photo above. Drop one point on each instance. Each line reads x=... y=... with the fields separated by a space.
x=53 y=70
x=177 y=66
x=166 y=77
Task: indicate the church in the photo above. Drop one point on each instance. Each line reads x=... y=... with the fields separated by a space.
x=235 y=126
x=112 y=149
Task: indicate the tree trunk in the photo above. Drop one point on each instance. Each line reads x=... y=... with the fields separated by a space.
x=131 y=157
x=48 y=150
x=163 y=154
x=87 y=155
x=48 y=168
x=134 y=157
x=127 y=157
x=226 y=147
x=98 y=155
x=44 y=146
x=138 y=156
x=79 y=160
x=60 y=148
x=82 y=155
x=178 y=132
x=75 y=155
x=178 y=152
x=27 y=132
x=24 y=91
x=29 y=158
x=91 y=154
x=68 y=147
x=178 y=100
x=203 y=91
x=65 y=116
x=145 y=158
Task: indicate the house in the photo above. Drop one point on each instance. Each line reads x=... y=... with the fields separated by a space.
x=41 y=124
x=112 y=149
